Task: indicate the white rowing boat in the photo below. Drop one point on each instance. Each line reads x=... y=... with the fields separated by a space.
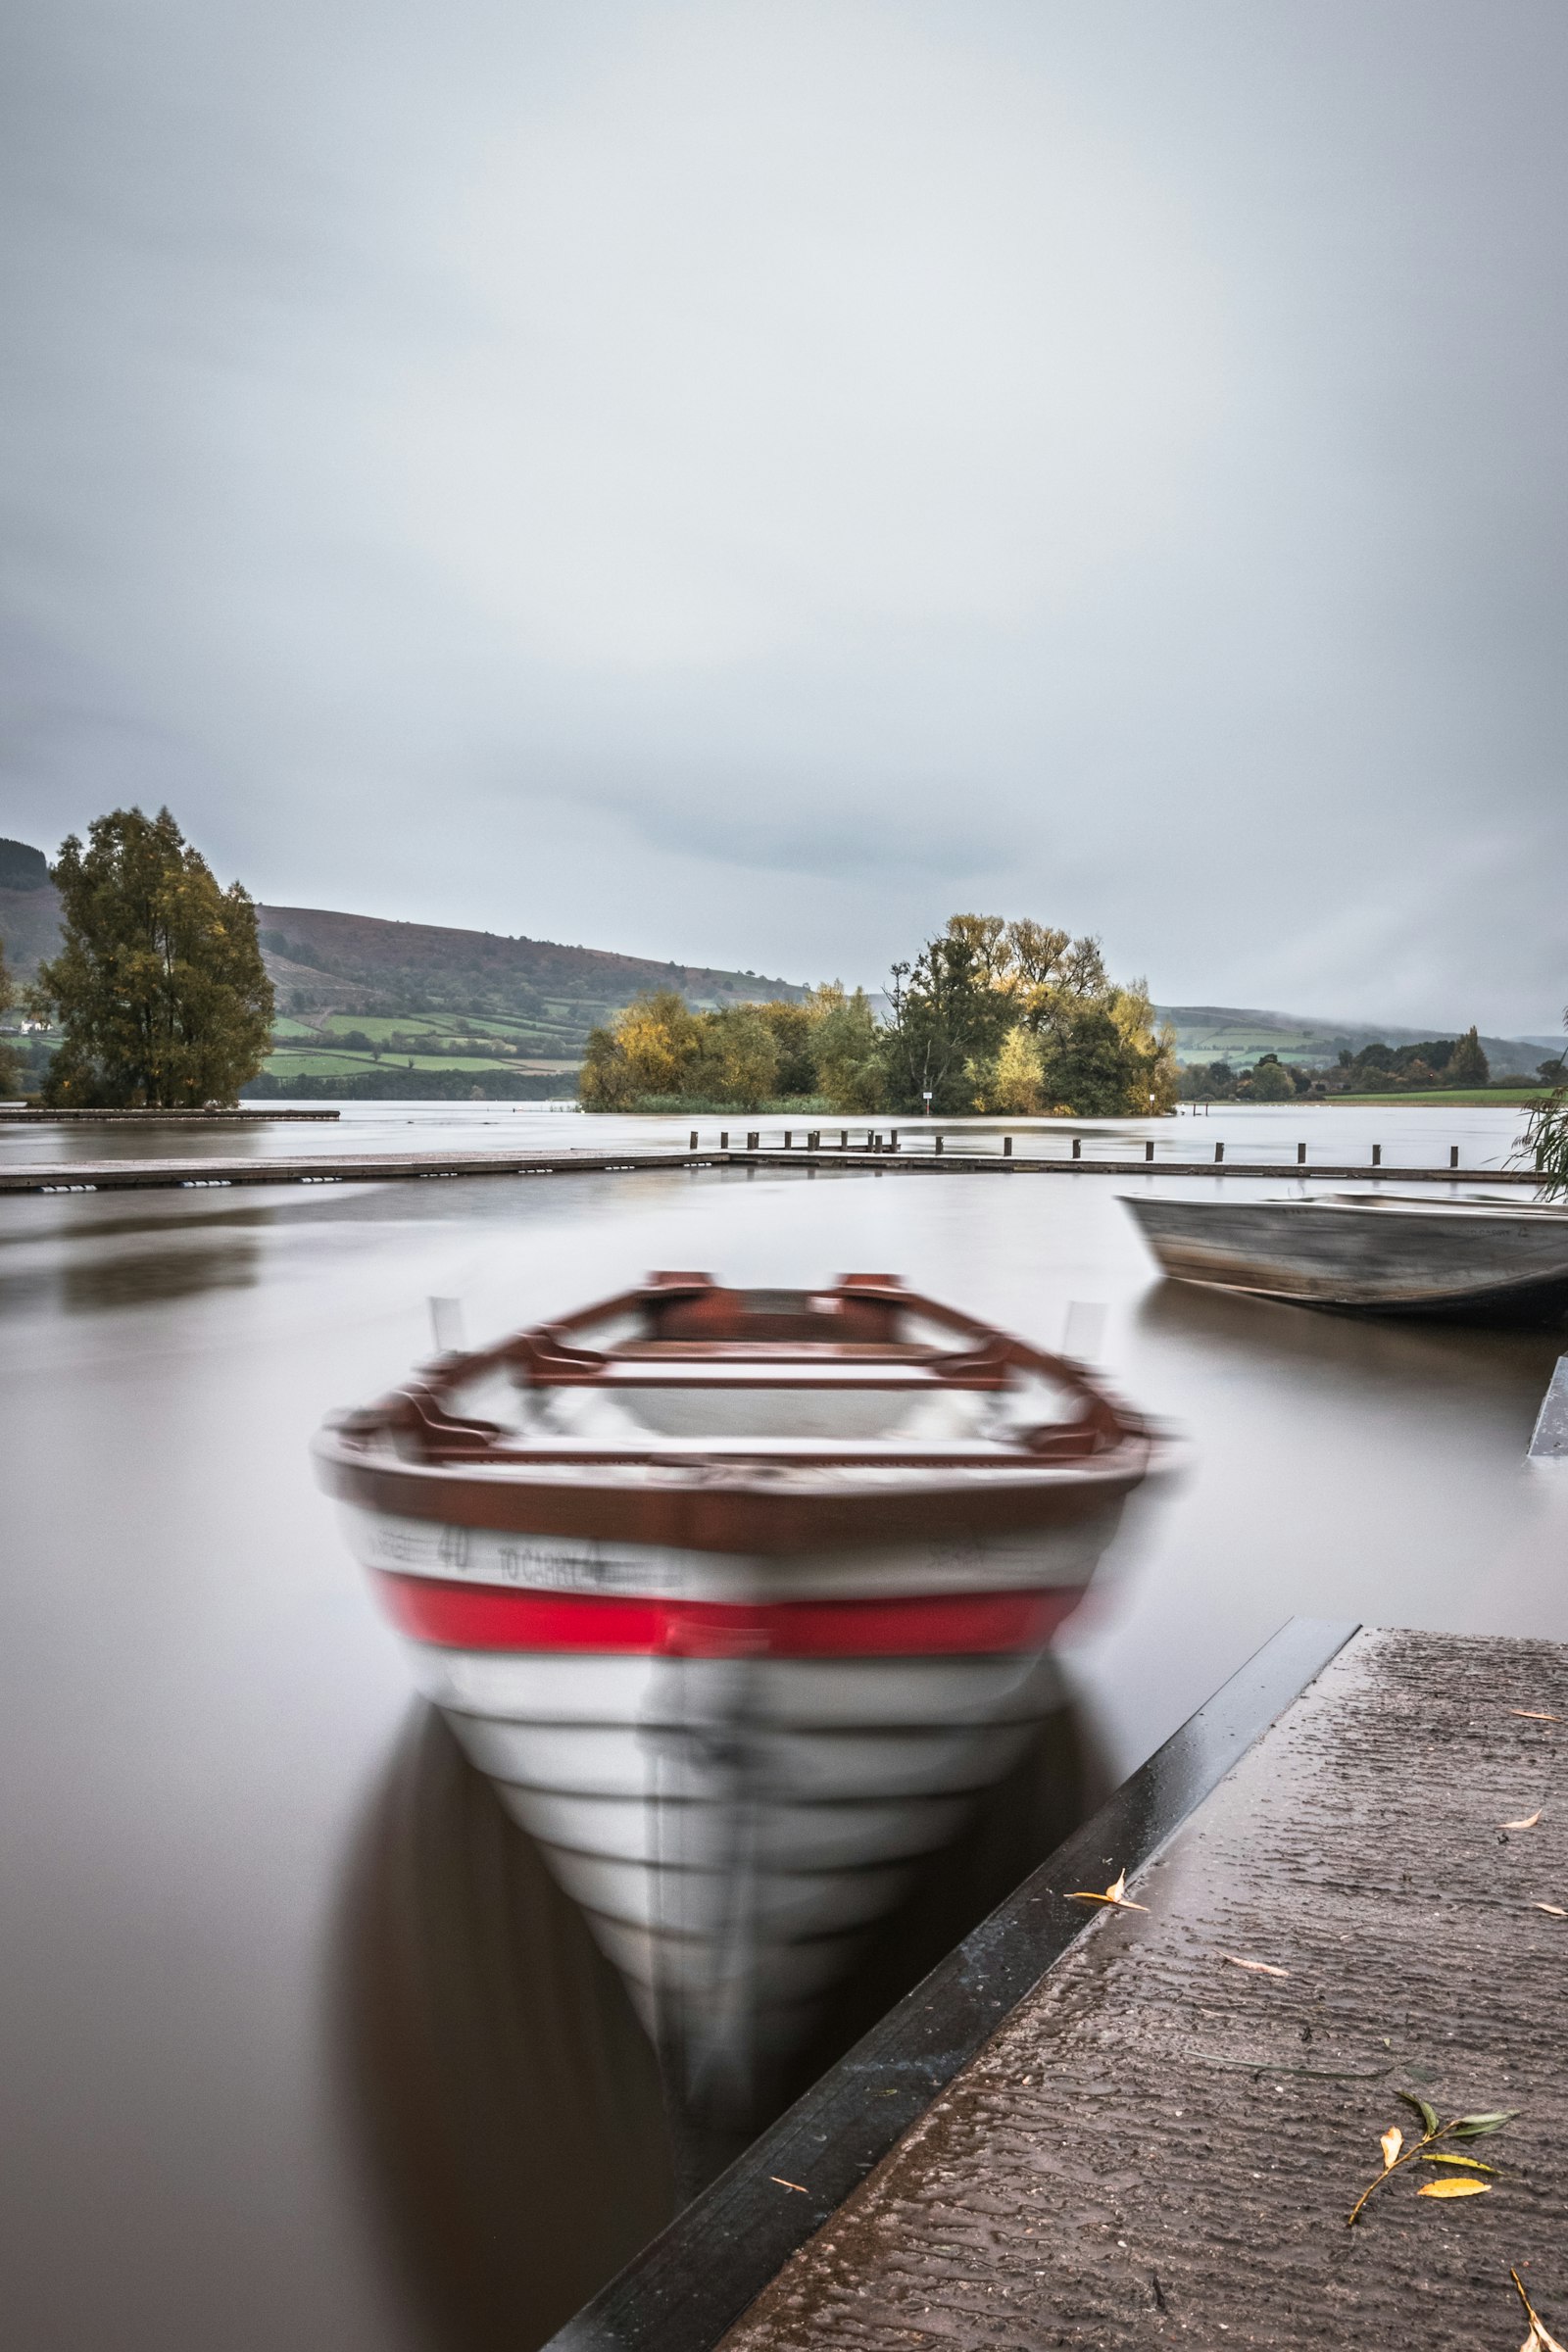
x=739 y=1598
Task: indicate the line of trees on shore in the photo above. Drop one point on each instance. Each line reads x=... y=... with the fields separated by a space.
x=1425 y=1067
x=991 y=1016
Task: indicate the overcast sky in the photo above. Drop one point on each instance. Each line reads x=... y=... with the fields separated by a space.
x=739 y=483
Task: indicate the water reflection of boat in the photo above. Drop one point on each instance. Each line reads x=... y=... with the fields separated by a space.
x=504 y=2101
x=740 y=1597
x=1375 y=1254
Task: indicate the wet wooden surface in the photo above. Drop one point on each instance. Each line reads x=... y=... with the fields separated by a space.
x=1160 y=2147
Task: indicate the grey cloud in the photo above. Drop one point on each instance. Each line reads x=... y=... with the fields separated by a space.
x=736 y=484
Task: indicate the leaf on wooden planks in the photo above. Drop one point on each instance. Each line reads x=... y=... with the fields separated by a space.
x=1472 y=2164
x=1453 y=2188
x=1529 y=1822
x=1475 y=2126
x=1431 y=2121
x=1534 y=1715
x=1555 y=1909
x=1258 y=1968
x=1113 y=1895
x=1390 y=2143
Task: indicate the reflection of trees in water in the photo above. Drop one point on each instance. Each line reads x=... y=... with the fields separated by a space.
x=158 y=1277
x=507 y=2102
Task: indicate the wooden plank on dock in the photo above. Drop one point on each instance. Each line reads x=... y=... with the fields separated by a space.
x=1164 y=2135
x=685 y=2288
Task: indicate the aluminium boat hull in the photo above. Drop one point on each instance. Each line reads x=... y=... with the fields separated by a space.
x=1457 y=1260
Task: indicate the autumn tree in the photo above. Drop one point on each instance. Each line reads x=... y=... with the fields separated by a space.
x=1272 y=1081
x=987 y=993
x=158 y=985
x=1467 y=1064
x=846 y=1050
x=10 y=1068
x=949 y=1017
x=1015 y=1080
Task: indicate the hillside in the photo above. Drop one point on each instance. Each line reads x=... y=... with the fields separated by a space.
x=378 y=1004
x=382 y=1003
x=1238 y=1034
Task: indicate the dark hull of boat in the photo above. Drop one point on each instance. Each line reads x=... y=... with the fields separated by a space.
x=1456 y=1265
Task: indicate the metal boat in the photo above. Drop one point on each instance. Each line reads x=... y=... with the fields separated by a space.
x=1371 y=1253
x=740 y=1597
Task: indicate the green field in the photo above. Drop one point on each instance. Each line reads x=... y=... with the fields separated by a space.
x=1498 y=1097
x=327 y=1064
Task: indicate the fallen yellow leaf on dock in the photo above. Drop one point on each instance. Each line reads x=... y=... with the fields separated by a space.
x=1390 y=2143
x=1534 y=1715
x=1556 y=1909
x=1537 y=2340
x=781 y=2182
x=1453 y=2188
x=1259 y=1968
x=1114 y=1895
x=1528 y=1823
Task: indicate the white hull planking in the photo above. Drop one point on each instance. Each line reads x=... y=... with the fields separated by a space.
x=731 y=1827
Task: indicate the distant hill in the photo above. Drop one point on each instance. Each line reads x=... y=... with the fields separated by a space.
x=359 y=997
x=425 y=968
x=1238 y=1034
x=30 y=909
x=364 y=1000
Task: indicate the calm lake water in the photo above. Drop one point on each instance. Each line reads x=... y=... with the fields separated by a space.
x=299 y=2047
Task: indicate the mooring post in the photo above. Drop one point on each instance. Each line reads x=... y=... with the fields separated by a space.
x=938 y=1143
x=751 y=1140
x=1453 y=1155
x=1006 y=1146
x=723 y=1139
x=893 y=1140
x=1376 y=1156
x=1300 y=1155
x=814 y=1141
x=1077 y=1146
x=692 y=1146
x=789 y=1137
x=844 y=1138
x=1148 y=1149
x=1219 y=1153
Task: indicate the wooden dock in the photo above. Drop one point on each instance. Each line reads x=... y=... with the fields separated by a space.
x=1103 y=2126
x=919 y=1154
x=23 y=1114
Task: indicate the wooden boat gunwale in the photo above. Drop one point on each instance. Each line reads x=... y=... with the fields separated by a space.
x=412 y=1455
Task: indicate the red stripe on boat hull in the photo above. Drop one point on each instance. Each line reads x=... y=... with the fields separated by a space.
x=457 y=1616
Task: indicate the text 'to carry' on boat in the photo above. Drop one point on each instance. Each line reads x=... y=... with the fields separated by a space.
x=739 y=1598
